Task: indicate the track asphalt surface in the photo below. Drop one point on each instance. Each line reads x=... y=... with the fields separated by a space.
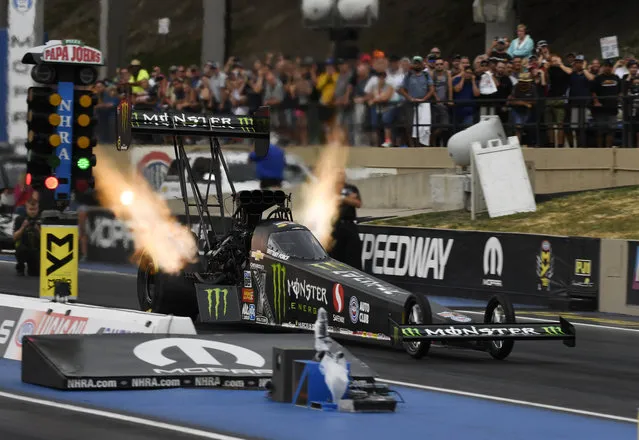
x=599 y=375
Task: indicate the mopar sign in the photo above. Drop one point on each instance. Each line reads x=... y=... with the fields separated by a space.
x=200 y=359
x=493 y=262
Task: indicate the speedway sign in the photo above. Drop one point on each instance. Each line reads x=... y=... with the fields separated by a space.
x=72 y=52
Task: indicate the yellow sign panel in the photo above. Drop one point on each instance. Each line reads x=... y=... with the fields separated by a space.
x=58 y=259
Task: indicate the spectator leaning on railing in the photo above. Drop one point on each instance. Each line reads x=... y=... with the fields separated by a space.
x=631 y=92
x=606 y=90
x=418 y=89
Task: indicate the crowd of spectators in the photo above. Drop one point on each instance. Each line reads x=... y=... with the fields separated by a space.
x=394 y=101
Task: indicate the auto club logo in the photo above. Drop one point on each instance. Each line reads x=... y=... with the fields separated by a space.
x=545 y=265
x=353 y=309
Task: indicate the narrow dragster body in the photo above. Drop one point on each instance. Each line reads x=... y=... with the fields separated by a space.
x=289 y=276
x=268 y=270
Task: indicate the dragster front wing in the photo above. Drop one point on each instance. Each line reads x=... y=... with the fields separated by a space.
x=562 y=330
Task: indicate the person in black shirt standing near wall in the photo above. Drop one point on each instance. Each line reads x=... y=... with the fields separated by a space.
x=606 y=90
x=347 y=247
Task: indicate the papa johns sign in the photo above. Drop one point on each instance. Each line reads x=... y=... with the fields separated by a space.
x=72 y=53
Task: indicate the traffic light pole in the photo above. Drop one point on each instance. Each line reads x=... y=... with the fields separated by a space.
x=60 y=157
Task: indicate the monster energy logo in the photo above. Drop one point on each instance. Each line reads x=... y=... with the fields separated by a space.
x=216 y=292
x=553 y=330
x=411 y=332
x=279 y=291
x=134 y=120
x=246 y=124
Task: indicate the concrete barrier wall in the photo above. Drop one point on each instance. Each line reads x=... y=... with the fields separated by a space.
x=613 y=278
x=556 y=170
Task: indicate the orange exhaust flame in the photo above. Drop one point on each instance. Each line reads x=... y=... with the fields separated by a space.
x=155 y=231
x=321 y=199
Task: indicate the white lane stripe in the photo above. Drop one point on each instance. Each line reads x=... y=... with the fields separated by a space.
x=583 y=324
x=511 y=401
x=123 y=418
x=84 y=269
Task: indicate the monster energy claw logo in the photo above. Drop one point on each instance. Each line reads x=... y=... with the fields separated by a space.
x=279 y=291
x=553 y=330
x=411 y=332
x=217 y=292
x=246 y=124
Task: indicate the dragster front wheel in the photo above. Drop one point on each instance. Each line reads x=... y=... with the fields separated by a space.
x=417 y=311
x=500 y=311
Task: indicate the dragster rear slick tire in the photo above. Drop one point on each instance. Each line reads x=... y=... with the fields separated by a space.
x=160 y=292
x=419 y=305
x=500 y=307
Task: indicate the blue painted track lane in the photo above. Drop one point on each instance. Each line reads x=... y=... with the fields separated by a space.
x=424 y=415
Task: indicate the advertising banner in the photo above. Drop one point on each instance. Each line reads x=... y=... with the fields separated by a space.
x=632 y=290
x=109 y=240
x=21 y=36
x=58 y=259
x=532 y=269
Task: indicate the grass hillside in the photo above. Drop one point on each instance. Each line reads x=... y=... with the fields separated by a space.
x=405 y=27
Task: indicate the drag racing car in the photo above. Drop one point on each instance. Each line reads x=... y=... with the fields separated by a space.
x=268 y=270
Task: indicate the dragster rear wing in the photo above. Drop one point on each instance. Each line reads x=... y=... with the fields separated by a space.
x=256 y=126
x=484 y=331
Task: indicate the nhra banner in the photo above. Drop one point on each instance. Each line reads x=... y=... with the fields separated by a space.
x=533 y=269
x=109 y=240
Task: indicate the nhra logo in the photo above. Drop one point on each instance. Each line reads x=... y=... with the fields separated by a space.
x=493 y=262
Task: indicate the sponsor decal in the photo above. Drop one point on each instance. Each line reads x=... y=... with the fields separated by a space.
x=111 y=331
x=493 y=262
x=361 y=278
x=283 y=224
x=370 y=335
x=90 y=384
x=245 y=312
x=58 y=324
x=213 y=297
x=248 y=282
x=400 y=255
x=251 y=310
x=279 y=291
x=458 y=317
x=199 y=353
x=306 y=291
x=72 y=53
x=257 y=255
x=6 y=327
x=277 y=254
x=248 y=296
x=353 y=309
x=545 y=265
x=470 y=330
x=338 y=298
x=154 y=166
x=338 y=318
x=583 y=269
x=27 y=328
x=256 y=266
x=60 y=259
x=153 y=382
x=261 y=319
x=554 y=330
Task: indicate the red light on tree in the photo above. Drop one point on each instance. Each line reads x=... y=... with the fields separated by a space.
x=81 y=185
x=51 y=182
x=27 y=179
